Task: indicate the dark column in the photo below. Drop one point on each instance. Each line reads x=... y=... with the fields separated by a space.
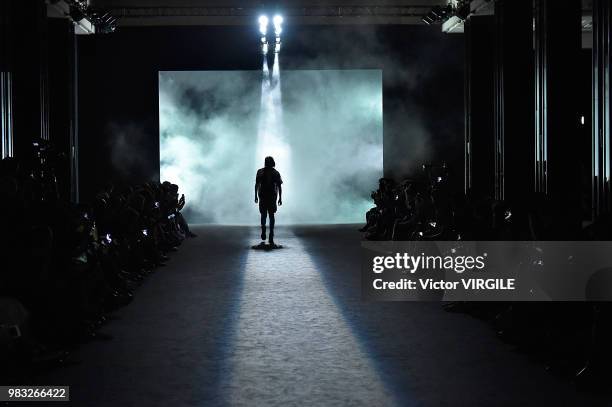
x=601 y=106
x=558 y=55
x=62 y=96
x=30 y=75
x=479 y=107
x=514 y=100
x=541 y=87
x=74 y=116
x=6 y=82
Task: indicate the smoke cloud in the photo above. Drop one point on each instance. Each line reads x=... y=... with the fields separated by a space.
x=423 y=85
x=331 y=122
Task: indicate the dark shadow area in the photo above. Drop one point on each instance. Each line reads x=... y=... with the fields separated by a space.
x=267 y=247
x=424 y=354
x=171 y=345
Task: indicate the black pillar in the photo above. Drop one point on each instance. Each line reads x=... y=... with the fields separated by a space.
x=514 y=100
x=30 y=74
x=601 y=107
x=63 y=103
x=6 y=80
x=557 y=133
x=479 y=108
x=74 y=116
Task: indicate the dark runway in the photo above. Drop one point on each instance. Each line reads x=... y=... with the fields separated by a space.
x=224 y=324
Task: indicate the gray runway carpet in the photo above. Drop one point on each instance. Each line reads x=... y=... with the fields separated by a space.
x=224 y=324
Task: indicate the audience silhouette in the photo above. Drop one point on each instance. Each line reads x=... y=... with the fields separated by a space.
x=65 y=266
x=568 y=337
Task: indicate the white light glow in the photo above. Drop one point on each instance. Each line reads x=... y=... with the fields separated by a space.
x=271 y=140
x=263 y=25
x=278 y=21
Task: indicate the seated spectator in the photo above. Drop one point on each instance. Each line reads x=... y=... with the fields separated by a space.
x=423 y=208
x=66 y=266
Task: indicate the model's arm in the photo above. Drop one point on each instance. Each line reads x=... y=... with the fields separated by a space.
x=256 y=188
x=280 y=194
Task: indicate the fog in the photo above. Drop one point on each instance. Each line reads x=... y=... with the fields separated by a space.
x=216 y=127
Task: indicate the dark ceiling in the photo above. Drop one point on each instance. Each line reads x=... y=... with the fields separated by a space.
x=219 y=12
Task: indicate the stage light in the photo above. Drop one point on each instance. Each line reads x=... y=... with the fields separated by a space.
x=427 y=20
x=263 y=25
x=278 y=21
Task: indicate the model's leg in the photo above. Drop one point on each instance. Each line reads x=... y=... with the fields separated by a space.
x=271 y=226
x=263 y=225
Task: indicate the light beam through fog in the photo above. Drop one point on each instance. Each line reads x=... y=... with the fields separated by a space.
x=324 y=129
x=270 y=140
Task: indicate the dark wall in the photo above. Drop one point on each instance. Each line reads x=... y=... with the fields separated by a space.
x=118 y=89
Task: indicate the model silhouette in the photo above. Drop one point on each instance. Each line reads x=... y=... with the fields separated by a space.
x=267 y=188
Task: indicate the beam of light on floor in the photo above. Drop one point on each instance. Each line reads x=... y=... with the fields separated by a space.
x=292 y=345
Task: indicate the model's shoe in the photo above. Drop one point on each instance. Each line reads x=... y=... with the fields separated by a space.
x=271 y=239
x=263 y=233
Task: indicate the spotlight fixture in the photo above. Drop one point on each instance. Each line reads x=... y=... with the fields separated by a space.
x=88 y=19
x=263 y=21
x=438 y=14
x=263 y=29
x=450 y=16
x=107 y=23
x=427 y=20
x=263 y=25
x=278 y=21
